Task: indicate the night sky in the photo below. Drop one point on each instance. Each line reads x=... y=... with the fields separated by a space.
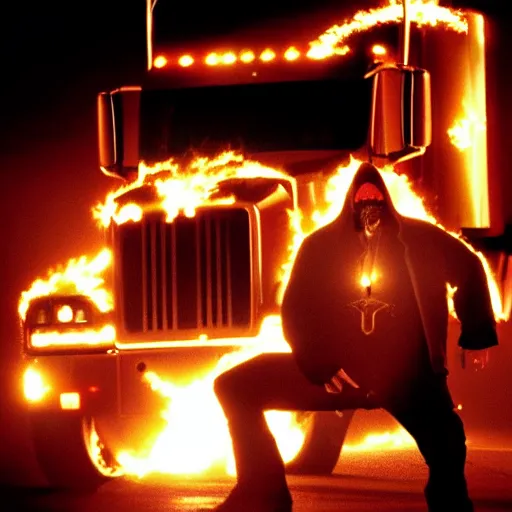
x=55 y=57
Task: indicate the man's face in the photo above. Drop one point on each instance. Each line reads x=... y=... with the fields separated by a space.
x=369 y=205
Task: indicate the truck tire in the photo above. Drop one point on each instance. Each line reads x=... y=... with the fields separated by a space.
x=322 y=445
x=69 y=451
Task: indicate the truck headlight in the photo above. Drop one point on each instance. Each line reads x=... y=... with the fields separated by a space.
x=66 y=323
x=34 y=386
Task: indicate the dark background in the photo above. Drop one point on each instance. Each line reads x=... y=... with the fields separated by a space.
x=55 y=58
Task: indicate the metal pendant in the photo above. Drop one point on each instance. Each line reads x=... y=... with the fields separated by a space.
x=369 y=308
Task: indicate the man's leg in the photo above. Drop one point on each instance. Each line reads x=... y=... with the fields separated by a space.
x=439 y=433
x=269 y=381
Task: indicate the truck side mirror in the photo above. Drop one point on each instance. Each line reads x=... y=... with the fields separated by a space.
x=118 y=132
x=401 y=125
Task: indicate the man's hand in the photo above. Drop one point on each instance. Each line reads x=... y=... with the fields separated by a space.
x=475 y=359
x=335 y=385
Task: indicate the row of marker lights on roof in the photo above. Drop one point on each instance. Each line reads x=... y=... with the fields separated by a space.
x=247 y=56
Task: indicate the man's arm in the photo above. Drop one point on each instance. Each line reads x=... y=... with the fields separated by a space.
x=299 y=314
x=472 y=300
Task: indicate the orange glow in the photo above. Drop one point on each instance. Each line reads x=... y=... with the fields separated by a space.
x=247 y=56
x=378 y=49
x=186 y=61
x=34 y=386
x=398 y=440
x=80 y=276
x=65 y=314
x=450 y=292
x=406 y=202
x=461 y=132
x=187 y=445
x=291 y=53
x=130 y=212
x=267 y=55
x=183 y=190
x=70 y=401
x=194 y=447
x=212 y=59
x=229 y=58
x=468 y=133
x=160 y=62
x=366 y=281
x=95 y=449
x=334 y=40
x=77 y=338
x=196 y=438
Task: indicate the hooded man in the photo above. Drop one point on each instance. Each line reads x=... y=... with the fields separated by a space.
x=366 y=315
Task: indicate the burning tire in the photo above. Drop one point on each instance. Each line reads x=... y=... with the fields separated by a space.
x=70 y=452
x=322 y=445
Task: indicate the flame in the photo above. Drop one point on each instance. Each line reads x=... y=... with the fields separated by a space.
x=334 y=41
x=466 y=129
x=175 y=450
x=469 y=132
x=79 y=276
x=366 y=281
x=96 y=450
x=188 y=444
x=398 y=440
x=84 y=337
x=183 y=190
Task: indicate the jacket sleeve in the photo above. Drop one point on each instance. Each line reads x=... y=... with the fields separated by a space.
x=299 y=314
x=472 y=299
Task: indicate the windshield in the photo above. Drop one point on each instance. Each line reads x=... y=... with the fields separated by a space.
x=288 y=116
x=327 y=109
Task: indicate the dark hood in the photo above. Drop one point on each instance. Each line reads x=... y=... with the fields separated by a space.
x=367 y=173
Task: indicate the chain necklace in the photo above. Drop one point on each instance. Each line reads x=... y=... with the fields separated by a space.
x=367 y=271
x=368 y=306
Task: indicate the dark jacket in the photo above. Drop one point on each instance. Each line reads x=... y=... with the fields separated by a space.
x=433 y=258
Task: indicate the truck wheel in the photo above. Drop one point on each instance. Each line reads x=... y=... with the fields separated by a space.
x=70 y=452
x=322 y=445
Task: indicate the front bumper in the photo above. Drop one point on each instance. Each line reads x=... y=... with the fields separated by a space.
x=115 y=382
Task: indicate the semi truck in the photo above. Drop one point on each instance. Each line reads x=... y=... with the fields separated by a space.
x=223 y=159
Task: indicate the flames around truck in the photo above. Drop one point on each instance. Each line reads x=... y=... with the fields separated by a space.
x=196 y=398
x=173 y=217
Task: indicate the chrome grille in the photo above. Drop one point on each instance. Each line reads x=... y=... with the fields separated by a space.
x=193 y=273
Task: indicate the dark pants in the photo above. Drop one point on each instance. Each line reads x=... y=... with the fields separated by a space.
x=273 y=381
